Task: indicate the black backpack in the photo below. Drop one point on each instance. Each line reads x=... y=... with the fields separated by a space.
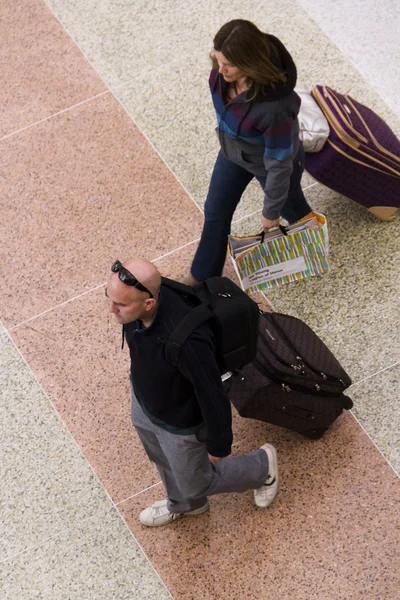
x=232 y=314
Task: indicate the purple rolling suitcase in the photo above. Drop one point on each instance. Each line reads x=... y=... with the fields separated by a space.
x=361 y=157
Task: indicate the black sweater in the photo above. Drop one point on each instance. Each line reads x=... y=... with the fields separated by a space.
x=186 y=396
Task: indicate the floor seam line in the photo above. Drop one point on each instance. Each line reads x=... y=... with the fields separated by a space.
x=156 y=484
x=176 y=250
x=115 y=505
x=158 y=154
x=374 y=375
x=374 y=444
x=311 y=185
x=125 y=109
x=353 y=63
x=138 y=493
x=144 y=554
x=96 y=477
x=61 y=420
x=158 y=68
x=64 y=110
x=56 y=306
x=105 y=491
x=153 y=260
x=47 y=539
x=73 y=525
x=91 y=290
x=260 y=209
x=269 y=301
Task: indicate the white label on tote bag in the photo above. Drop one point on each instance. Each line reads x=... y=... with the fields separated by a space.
x=295 y=265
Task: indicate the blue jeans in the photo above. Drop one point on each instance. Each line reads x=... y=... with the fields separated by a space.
x=228 y=182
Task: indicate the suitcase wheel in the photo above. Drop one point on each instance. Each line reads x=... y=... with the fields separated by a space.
x=347 y=403
x=314 y=434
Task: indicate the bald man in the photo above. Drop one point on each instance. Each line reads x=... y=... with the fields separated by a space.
x=182 y=414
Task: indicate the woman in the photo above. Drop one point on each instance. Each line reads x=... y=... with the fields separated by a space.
x=252 y=87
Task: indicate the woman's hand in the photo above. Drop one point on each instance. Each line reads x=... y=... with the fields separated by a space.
x=268 y=224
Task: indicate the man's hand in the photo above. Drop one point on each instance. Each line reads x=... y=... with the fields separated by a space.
x=268 y=224
x=214 y=459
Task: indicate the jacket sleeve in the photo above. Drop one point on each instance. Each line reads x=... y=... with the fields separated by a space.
x=278 y=162
x=198 y=364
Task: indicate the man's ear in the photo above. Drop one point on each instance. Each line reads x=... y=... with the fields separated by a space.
x=150 y=303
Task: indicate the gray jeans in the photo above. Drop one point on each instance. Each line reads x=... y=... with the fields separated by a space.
x=185 y=470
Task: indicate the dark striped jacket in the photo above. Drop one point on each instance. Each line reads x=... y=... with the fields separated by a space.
x=262 y=135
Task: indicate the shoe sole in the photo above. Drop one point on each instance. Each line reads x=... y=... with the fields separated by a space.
x=193 y=513
x=275 y=455
x=198 y=511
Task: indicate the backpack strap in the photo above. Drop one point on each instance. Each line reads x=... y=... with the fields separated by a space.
x=176 y=286
x=190 y=322
x=200 y=291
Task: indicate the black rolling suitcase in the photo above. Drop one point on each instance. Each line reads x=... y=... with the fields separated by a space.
x=294 y=381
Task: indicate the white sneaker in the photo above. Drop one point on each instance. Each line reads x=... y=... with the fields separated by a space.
x=158 y=514
x=265 y=495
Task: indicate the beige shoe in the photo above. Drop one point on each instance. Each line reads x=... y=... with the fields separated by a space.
x=265 y=495
x=158 y=514
x=384 y=213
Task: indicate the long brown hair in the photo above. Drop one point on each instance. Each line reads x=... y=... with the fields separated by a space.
x=247 y=48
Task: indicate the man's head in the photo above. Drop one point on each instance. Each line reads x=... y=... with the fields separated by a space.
x=131 y=302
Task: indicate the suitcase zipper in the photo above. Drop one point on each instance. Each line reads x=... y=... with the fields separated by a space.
x=293 y=387
x=382 y=149
x=344 y=136
x=371 y=137
x=346 y=118
x=334 y=122
x=324 y=376
x=363 y=163
x=298 y=367
x=285 y=387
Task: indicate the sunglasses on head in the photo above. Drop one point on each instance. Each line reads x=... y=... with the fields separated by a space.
x=127 y=277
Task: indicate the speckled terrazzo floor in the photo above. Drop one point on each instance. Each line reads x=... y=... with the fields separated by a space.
x=107 y=145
